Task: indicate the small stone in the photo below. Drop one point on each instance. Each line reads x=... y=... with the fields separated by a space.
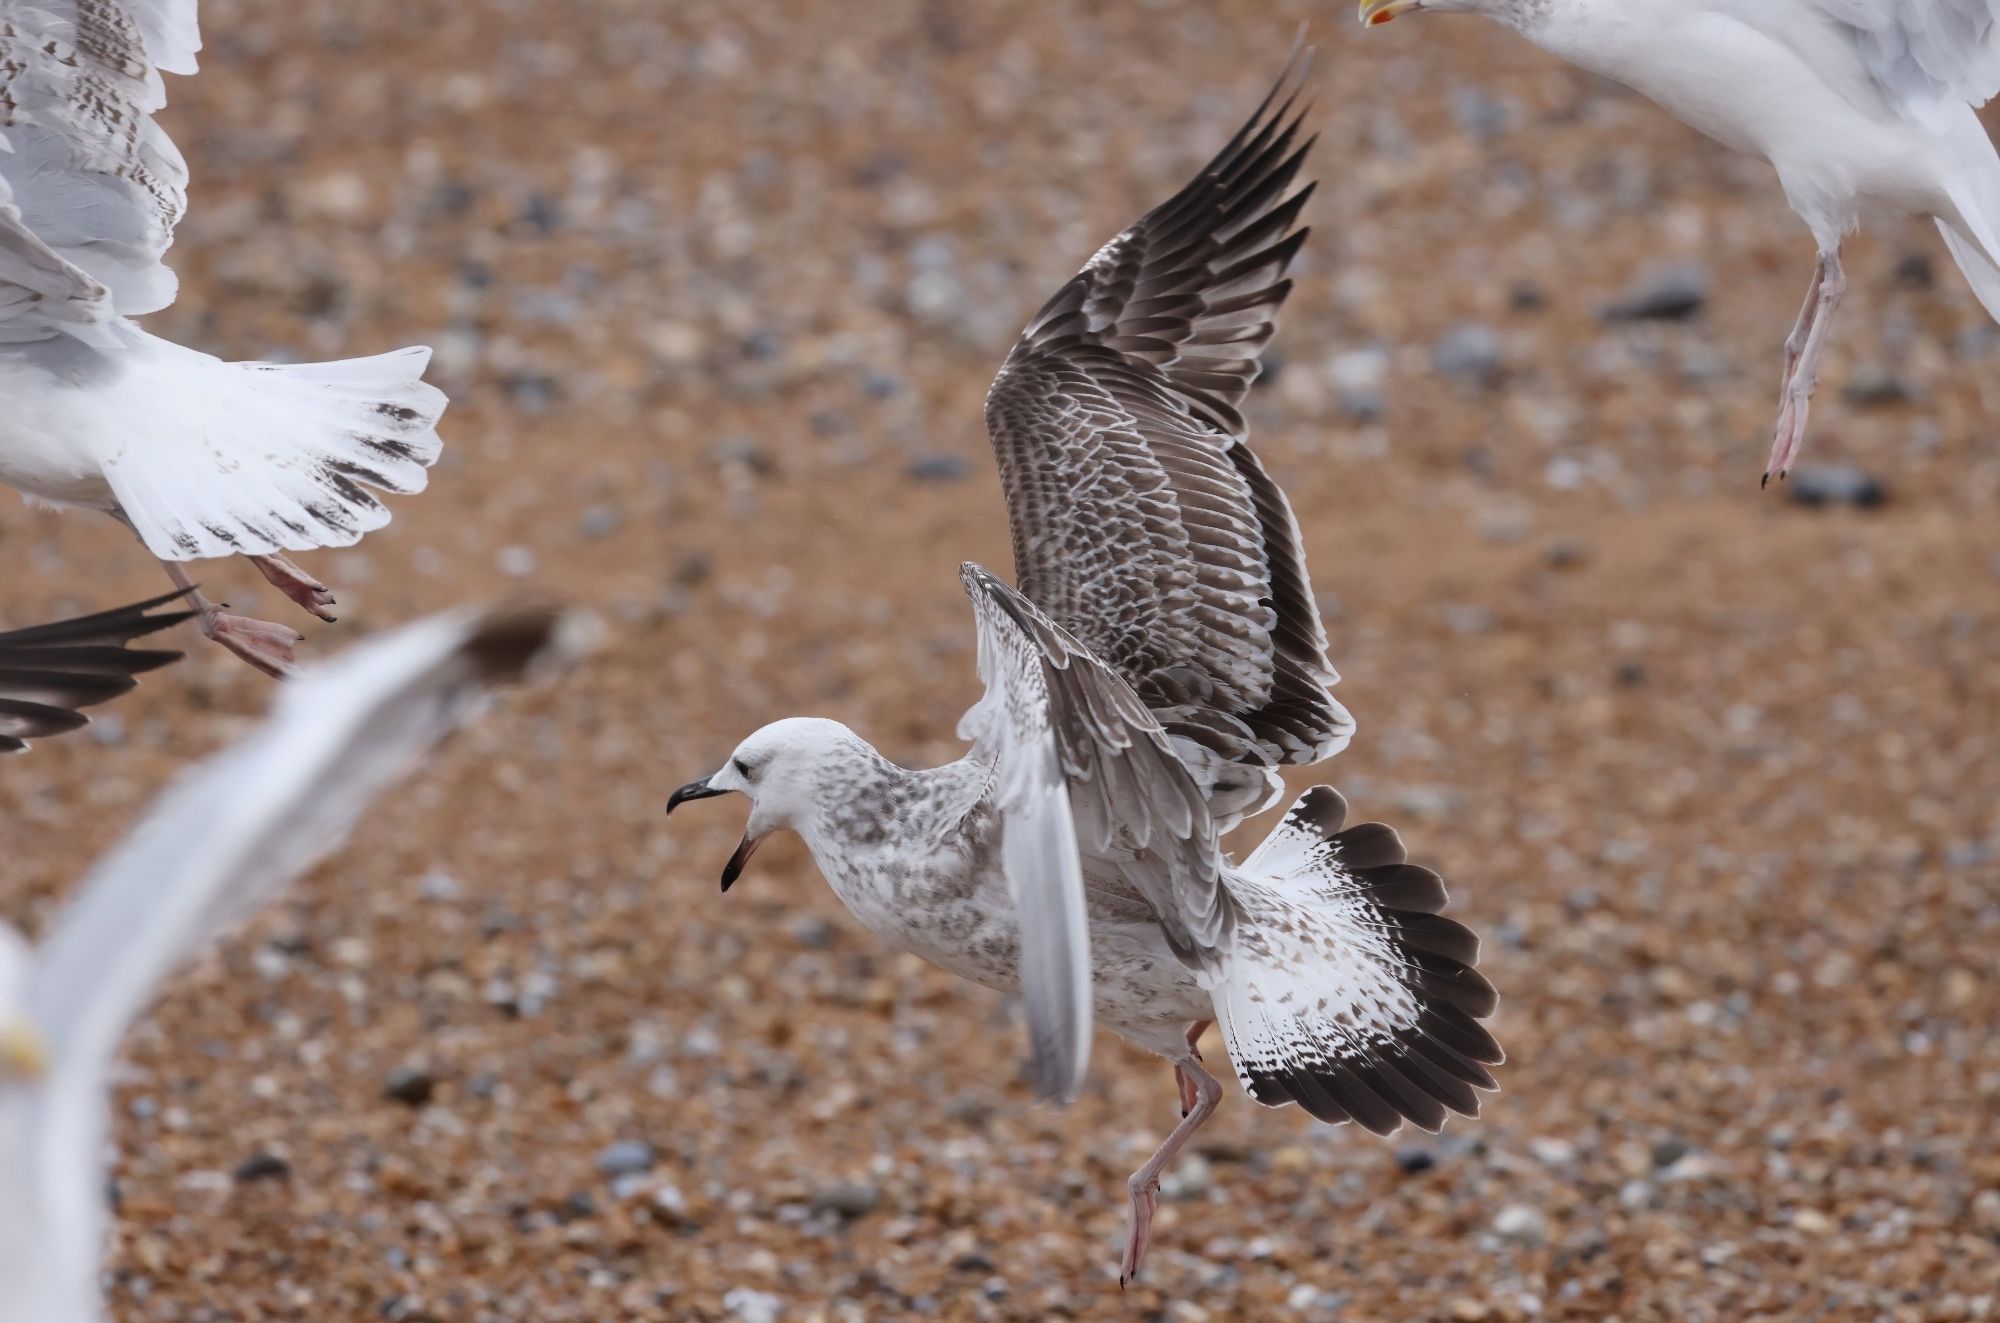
x=1667 y=1152
x=1521 y=1223
x=973 y=1262
x=1670 y=293
x=848 y=1199
x=600 y=521
x=1566 y=553
x=1469 y=352
x=1813 y=1222
x=262 y=1167
x=1467 y=1310
x=1914 y=271
x=1552 y=1151
x=626 y=1157
x=1414 y=1160
x=516 y=562
x=1836 y=485
x=753 y=1306
x=1872 y=385
x=412 y=1085
x=938 y=468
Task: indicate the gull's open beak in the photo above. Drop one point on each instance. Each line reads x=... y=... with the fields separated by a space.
x=1381 y=11
x=22 y=1052
x=692 y=790
x=734 y=868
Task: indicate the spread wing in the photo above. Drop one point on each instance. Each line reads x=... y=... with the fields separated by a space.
x=1910 y=55
x=90 y=186
x=48 y=672
x=219 y=842
x=1142 y=522
x=1082 y=769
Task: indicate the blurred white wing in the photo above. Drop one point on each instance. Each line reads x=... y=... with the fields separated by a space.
x=220 y=841
x=90 y=187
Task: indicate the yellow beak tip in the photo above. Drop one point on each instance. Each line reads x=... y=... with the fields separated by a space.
x=22 y=1052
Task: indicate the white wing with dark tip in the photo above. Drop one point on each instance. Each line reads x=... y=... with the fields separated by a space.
x=1143 y=524
x=217 y=844
x=48 y=673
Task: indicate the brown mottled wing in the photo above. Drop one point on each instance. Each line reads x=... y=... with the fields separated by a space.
x=87 y=176
x=48 y=672
x=1053 y=708
x=1142 y=522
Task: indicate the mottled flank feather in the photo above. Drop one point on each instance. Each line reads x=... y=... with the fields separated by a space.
x=1346 y=992
x=1143 y=523
x=48 y=672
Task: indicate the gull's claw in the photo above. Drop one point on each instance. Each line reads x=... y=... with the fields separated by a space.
x=295 y=583
x=264 y=645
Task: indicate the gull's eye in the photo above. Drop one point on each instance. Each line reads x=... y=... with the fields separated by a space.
x=742 y=768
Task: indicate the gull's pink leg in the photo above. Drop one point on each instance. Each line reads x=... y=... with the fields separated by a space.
x=266 y=646
x=1144 y=1187
x=1795 y=343
x=1181 y=1081
x=295 y=583
x=1830 y=282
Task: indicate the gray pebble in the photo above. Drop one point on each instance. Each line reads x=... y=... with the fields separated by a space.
x=412 y=1085
x=1669 y=293
x=1468 y=352
x=626 y=1157
x=1837 y=485
x=848 y=1199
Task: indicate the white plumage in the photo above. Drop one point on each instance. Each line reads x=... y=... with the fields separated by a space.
x=215 y=846
x=1852 y=101
x=201 y=458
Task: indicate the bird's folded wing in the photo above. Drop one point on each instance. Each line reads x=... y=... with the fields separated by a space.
x=232 y=831
x=1911 y=54
x=1142 y=522
x=1081 y=768
x=48 y=672
x=83 y=168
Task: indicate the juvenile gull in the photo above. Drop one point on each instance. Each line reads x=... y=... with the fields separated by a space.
x=48 y=673
x=1161 y=660
x=1852 y=101
x=215 y=846
x=198 y=457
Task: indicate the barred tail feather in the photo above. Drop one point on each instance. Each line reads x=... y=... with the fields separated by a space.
x=1345 y=991
x=216 y=458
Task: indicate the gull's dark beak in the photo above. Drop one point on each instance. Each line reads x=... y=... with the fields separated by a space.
x=734 y=868
x=692 y=790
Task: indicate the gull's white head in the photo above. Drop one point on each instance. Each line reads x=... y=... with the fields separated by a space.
x=781 y=768
x=22 y=1054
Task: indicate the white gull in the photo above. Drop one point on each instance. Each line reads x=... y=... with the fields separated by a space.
x=199 y=457
x=1852 y=101
x=1162 y=659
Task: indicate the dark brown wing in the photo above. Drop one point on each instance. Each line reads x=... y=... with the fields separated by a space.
x=47 y=672
x=1142 y=522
